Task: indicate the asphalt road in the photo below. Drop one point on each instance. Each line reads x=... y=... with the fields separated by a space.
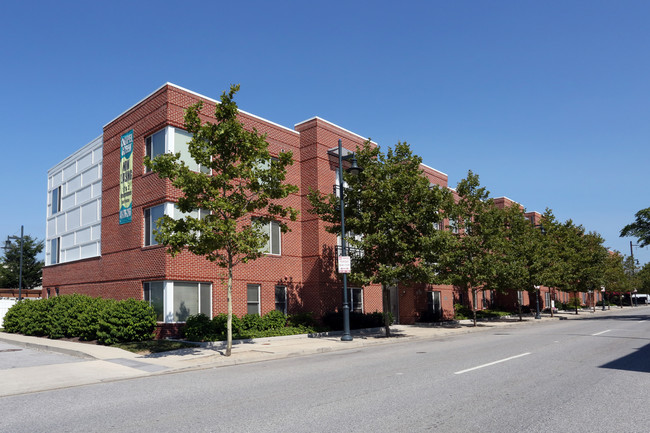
x=561 y=376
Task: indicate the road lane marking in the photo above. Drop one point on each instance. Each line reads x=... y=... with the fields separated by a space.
x=644 y=320
x=492 y=363
x=601 y=332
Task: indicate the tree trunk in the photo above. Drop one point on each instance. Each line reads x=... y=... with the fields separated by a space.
x=521 y=317
x=386 y=301
x=229 y=322
x=474 y=305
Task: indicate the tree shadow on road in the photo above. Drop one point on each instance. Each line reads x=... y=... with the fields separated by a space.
x=637 y=361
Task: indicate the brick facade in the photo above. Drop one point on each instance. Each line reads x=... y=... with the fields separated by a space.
x=306 y=266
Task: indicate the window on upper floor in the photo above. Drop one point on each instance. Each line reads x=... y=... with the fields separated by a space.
x=55 y=196
x=155 y=144
x=55 y=251
x=151 y=217
x=273 y=231
x=181 y=145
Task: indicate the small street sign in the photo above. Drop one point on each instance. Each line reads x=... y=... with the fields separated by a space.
x=345 y=265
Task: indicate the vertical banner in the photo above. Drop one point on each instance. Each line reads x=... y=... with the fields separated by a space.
x=126 y=177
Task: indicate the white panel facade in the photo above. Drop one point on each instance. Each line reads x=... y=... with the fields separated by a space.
x=76 y=220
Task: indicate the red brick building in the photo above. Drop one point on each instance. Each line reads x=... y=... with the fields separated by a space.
x=96 y=246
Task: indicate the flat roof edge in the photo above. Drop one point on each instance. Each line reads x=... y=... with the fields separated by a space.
x=93 y=143
x=200 y=96
x=436 y=170
x=335 y=125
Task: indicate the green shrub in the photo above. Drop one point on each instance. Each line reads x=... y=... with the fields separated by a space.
x=89 y=318
x=36 y=318
x=14 y=320
x=66 y=315
x=250 y=322
x=462 y=312
x=199 y=327
x=273 y=320
x=301 y=319
x=127 y=320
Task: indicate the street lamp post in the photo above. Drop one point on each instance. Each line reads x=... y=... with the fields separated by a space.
x=602 y=290
x=354 y=170
x=20 y=272
x=537 y=315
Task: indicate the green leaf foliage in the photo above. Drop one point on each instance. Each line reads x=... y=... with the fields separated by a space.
x=105 y=320
x=640 y=228
x=241 y=187
x=32 y=267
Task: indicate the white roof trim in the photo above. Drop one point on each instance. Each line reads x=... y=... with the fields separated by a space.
x=202 y=97
x=431 y=168
x=508 y=198
x=335 y=125
x=97 y=142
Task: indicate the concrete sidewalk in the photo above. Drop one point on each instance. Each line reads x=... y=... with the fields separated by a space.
x=104 y=363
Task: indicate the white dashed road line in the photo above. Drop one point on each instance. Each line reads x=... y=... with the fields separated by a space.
x=492 y=363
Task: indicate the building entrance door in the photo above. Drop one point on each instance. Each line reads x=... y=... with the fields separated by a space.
x=435 y=307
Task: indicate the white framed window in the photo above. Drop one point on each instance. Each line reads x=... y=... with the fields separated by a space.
x=355 y=298
x=281 y=299
x=155 y=144
x=175 y=301
x=151 y=217
x=253 y=299
x=56 y=200
x=520 y=297
x=181 y=145
x=55 y=251
x=273 y=231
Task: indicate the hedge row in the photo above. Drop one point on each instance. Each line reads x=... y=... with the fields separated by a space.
x=200 y=327
x=106 y=320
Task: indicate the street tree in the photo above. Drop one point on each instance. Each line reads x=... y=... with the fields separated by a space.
x=238 y=191
x=473 y=262
x=524 y=258
x=643 y=278
x=32 y=266
x=579 y=257
x=615 y=279
x=640 y=228
x=393 y=212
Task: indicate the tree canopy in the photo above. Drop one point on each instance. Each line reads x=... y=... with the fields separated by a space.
x=32 y=266
x=640 y=228
x=474 y=260
x=237 y=192
x=393 y=212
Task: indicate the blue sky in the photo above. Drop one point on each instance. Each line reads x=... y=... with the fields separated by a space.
x=547 y=101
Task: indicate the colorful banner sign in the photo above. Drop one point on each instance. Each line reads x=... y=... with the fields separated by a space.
x=126 y=177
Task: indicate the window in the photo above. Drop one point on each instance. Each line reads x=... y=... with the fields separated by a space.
x=181 y=145
x=272 y=230
x=56 y=200
x=155 y=145
x=151 y=216
x=55 y=251
x=253 y=299
x=154 y=295
x=355 y=298
x=175 y=301
x=520 y=297
x=281 y=299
